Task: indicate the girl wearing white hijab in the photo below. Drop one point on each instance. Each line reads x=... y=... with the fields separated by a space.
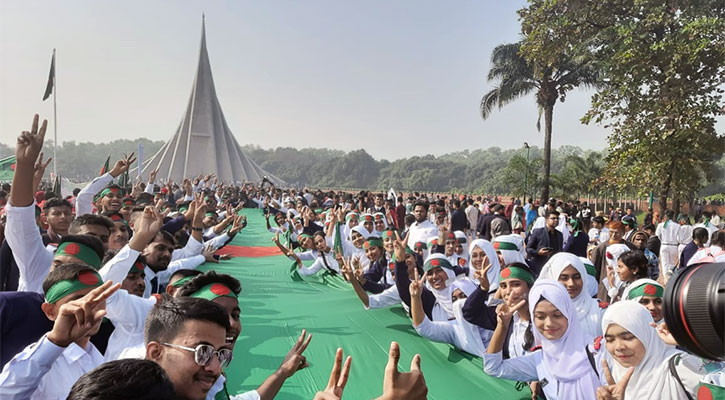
x=457 y=332
x=614 y=251
x=648 y=293
x=592 y=284
x=632 y=342
x=563 y=365
x=509 y=247
x=482 y=253
x=568 y=269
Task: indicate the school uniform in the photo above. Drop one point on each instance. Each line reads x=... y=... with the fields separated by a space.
x=32 y=257
x=668 y=232
x=46 y=371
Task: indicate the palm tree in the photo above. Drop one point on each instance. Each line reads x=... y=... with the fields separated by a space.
x=516 y=78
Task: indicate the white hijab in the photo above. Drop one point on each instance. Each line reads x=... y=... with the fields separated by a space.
x=512 y=256
x=443 y=296
x=493 y=273
x=564 y=359
x=593 y=285
x=651 y=378
x=588 y=311
x=473 y=339
x=614 y=251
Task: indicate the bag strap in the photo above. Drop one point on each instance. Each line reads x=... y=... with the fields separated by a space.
x=590 y=356
x=673 y=371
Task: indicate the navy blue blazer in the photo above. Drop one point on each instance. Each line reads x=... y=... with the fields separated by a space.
x=539 y=239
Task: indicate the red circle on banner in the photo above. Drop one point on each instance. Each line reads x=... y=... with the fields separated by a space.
x=496 y=245
x=610 y=256
x=219 y=289
x=88 y=278
x=650 y=289
x=703 y=393
x=391 y=266
x=72 y=249
x=506 y=273
x=389 y=233
x=435 y=262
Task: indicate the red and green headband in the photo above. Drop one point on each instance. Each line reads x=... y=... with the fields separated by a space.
x=389 y=233
x=373 y=241
x=179 y=283
x=420 y=246
x=368 y=218
x=137 y=268
x=436 y=263
x=214 y=290
x=305 y=236
x=350 y=216
x=81 y=252
x=513 y=272
x=85 y=279
x=106 y=191
x=505 y=246
x=646 y=289
x=210 y=214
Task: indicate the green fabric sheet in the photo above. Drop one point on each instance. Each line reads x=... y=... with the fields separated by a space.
x=275 y=308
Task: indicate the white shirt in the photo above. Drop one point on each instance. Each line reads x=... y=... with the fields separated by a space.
x=46 y=371
x=219 y=386
x=128 y=314
x=518 y=337
x=668 y=235
x=420 y=232
x=386 y=298
x=84 y=201
x=31 y=256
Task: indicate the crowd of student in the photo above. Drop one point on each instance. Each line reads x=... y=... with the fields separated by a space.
x=102 y=299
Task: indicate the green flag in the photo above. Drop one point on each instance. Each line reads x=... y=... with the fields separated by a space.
x=337 y=246
x=105 y=167
x=7 y=168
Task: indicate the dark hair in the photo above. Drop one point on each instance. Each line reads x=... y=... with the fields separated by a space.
x=165 y=236
x=649 y=227
x=55 y=202
x=167 y=318
x=183 y=273
x=552 y=212
x=409 y=219
x=670 y=214
x=701 y=234
x=422 y=204
x=598 y=220
x=90 y=219
x=76 y=191
x=718 y=238
x=129 y=378
x=636 y=261
x=87 y=240
x=204 y=279
x=64 y=272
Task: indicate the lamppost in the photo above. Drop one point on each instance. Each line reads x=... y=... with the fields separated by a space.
x=526 y=176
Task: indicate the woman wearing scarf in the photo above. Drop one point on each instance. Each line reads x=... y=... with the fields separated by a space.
x=567 y=269
x=379 y=276
x=611 y=281
x=515 y=283
x=483 y=253
x=509 y=248
x=458 y=332
x=562 y=365
x=630 y=266
x=649 y=294
x=632 y=342
x=592 y=284
x=436 y=293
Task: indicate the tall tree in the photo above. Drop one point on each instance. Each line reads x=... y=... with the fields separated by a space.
x=516 y=77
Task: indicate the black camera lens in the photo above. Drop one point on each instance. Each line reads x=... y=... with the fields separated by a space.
x=694 y=308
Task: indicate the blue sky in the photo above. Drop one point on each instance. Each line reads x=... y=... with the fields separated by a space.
x=397 y=78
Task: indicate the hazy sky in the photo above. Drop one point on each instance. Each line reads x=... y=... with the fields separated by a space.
x=397 y=78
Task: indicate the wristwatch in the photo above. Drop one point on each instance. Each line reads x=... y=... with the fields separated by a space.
x=197 y=229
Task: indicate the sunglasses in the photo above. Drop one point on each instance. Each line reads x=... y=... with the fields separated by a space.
x=203 y=354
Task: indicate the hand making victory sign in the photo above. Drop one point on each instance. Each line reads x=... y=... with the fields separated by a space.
x=614 y=390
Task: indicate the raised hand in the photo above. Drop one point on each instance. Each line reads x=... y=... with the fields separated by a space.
x=614 y=390
x=664 y=333
x=338 y=379
x=40 y=167
x=208 y=254
x=504 y=313
x=30 y=143
x=238 y=224
x=145 y=228
x=406 y=385
x=76 y=319
x=481 y=275
x=152 y=175
x=122 y=165
x=294 y=360
x=416 y=285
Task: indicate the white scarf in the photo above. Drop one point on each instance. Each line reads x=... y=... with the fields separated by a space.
x=443 y=296
x=588 y=311
x=493 y=273
x=564 y=359
x=651 y=378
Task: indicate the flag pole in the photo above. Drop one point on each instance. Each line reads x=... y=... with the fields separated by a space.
x=55 y=126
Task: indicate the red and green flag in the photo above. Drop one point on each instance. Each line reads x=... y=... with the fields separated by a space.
x=105 y=167
x=7 y=168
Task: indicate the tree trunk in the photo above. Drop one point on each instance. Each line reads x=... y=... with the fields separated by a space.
x=548 y=115
x=665 y=192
